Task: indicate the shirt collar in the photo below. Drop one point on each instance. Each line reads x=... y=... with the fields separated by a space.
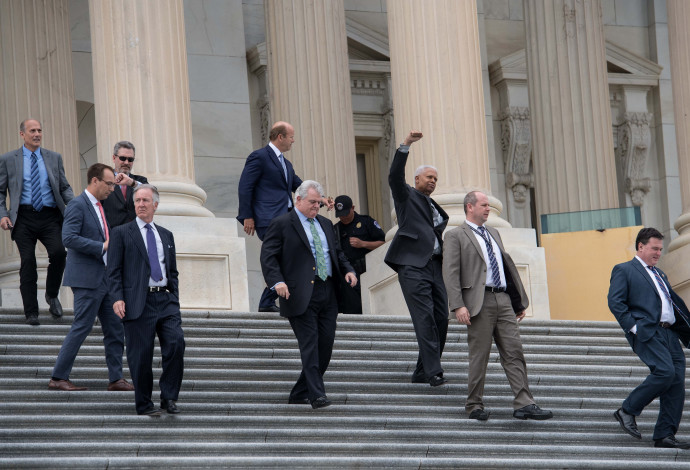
x=141 y=224
x=275 y=149
x=472 y=224
x=27 y=152
x=91 y=197
x=303 y=218
x=645 y=265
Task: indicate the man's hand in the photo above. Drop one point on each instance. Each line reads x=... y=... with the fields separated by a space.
x=119 y=308
x=351 y=279
x=328 y=202
x=521 y=315
x=356 y=243
x=463 y=315
x=124 y=179
x=105 y=245
x=282 y=290
x=249 y=226
x=412 y=137
x=5 y=223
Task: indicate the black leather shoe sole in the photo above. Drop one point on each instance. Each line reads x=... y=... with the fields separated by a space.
x=479 y=415
x=619 y=418
x=269 y=309
x=299 y=401
x=437 y=380
x=33 y=321
x=151 y=412
x=671 y=442
x=321 y=402
x=169 y=407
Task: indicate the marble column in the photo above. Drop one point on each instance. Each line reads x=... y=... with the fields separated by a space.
x=309 y=87
x=574 y=161
x=677 y=262
x=36 y=71
x=141 y=94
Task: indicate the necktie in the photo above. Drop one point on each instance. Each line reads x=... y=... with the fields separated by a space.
x=282 y=162
x=662 y=284
x=156 y=273
x=320 y=258
x=495 y=275
x=36 y=198
x=105 y=223
x=123 y=188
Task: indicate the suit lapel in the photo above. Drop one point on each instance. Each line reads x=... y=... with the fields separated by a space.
x=166 y=251
x=135 y=233
x=470 y=234
x=92 y=211
x=299 y=228
x=19 y=166
x=49 y=163
x=276 y=162
x=329 y=236
x=643 y=271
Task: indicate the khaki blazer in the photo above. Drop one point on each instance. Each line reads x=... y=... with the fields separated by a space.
x=464 y=271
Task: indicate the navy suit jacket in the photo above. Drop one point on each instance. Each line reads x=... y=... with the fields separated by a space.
x=129 y=269
x=119 y=210
x=83 y=237
x=263 y=190
x=12 y=180
x=634 y=300
x=413 y=243
x=286 y=256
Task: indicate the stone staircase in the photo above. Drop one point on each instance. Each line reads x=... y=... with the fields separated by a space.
x=239 y=369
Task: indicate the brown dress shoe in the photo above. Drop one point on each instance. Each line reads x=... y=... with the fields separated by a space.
x=120 y=386
x=65 y=385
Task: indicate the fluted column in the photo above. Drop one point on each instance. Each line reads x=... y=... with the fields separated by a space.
x=141 y=94
x=437 y=88
x=36 y=82
x=309 y=87
x=569 y=103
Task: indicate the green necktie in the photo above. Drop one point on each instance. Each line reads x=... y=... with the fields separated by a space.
x=320 y=259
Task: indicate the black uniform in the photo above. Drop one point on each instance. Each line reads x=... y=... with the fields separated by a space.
x=366 y=229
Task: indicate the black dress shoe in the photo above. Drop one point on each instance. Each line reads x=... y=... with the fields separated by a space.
x=272 y=308
x=54 y=306
x=479 y=414
x=298 y=401
x=532 y=412
x=321 y=402
x=437 y=380
x=32 y=320
x=170 y=407
x=151 y=412
x=628 y=423
x=670 y=442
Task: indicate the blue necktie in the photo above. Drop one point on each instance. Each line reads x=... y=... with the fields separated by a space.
x=36 y=198
x=282 y=162
x=495 y=275
x=320 y=258
x=156 y=273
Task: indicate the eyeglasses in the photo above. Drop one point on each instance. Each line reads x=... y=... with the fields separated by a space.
x=125 y=159
x=110 y=184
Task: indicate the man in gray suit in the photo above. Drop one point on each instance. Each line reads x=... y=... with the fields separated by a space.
x=86 y=234
x=39 y=192
x=486 y=294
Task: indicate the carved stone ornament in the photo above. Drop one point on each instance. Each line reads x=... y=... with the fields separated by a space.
x=264 y=116
x=633 y=149
x=516 y=142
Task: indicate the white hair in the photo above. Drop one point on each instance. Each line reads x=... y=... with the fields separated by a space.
x=306 y=186
x=422 y=168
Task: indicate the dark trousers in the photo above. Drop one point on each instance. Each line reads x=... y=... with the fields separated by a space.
x=426 y=298
x=89 y=303
x=664 y=356
x=161 y=316
x=350 y=298
x=315 y=333
x=268 y=296
x=30 y=227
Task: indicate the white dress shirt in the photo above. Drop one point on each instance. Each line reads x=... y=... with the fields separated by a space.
x=159 y=249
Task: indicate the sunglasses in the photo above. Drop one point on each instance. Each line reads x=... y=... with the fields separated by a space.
x=125 y=159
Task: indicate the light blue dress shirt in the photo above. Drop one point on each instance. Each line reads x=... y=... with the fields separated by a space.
x=322 y=235
x=46 y=190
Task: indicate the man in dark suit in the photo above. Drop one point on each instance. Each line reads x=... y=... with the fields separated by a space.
x=654 y=318
x=39 y=191
x=416 y=254
x=85 y=233
x=265 y=191
x=486 y=294
x=119 y=207
x=142 y=269
x=301 y=260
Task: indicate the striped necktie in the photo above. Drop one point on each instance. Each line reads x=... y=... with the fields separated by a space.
x=495 y=275
x=320 y=258
x=664 y=289
x=36 y=197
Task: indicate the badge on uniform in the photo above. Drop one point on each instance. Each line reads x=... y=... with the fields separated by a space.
x=359 y=225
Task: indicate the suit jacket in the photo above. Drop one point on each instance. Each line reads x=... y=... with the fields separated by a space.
x=464 y=271
x=12 y=180
x=263 y=191
x=129 y=269
x=413 y=243
x=634 y=300
x=83 y=237
x=118 y=209
x=286 y=256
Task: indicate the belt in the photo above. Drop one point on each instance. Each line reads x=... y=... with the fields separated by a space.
x=665 y=324
x=29 y=207
x=158 y=289
x=494 y=289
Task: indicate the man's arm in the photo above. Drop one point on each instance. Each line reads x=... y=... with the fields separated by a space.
x=618 y=298
x=396 y=176
x=65 y=189
x=4 y=213
x=173 y=281
x=115 y=258
x=271 y=254
x=251 y=174
x=71 y=233
x=452 y=275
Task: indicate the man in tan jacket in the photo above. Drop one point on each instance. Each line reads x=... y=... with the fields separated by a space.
x=486 y=294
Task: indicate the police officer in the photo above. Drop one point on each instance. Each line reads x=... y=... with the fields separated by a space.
x=358 y=234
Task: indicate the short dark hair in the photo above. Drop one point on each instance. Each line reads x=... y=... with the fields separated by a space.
x=470 y=198
x=645 y=234
x=96 y=171
x=124 y=144
x=22 y=125
x=279 y=129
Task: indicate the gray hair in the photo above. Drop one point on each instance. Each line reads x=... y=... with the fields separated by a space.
x=22 y=125
x=422 y=168
x=124 y=144
x=306 y=186
x=154 y=190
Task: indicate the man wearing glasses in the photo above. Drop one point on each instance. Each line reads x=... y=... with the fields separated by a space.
x=119 y=206
x=86 y=234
